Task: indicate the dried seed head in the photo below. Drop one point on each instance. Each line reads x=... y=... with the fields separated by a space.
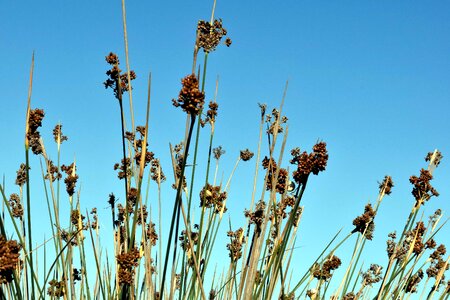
x=364 y=223
x=218 y=152
x=246 y=155
x=209 y=35
x=191 y=99
x=386 y=185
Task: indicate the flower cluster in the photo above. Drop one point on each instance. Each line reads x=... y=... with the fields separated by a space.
x=364 y=223
x=156 y=171
x=386 y=185
x=52 y=171
x=16 y=206
x=422 y=190
x=246 y=155
x=21 y=177
x=372 y=275
x=211 y=114
x=71 y=179
x=33 y=136
x=124 y=168
x=191 y=99
x=235 y=246
x=324 y=272
x=281 y=181
x=209 y=35
x=57 y=134
x=117 y=81
x=413 y=282
x=9 y=259
x=211 y=196
x=56 y=289
x=313 y=162
x=257 y=217
x=127 y=262
x=218 y=152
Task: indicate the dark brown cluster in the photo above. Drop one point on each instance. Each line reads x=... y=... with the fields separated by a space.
x=437 y=158
x=413 y=282
x=56 y=289
x=211 y=114
x=274 y=121
x=417 y=234
x=71 y=179
x=364 y=223
x=257 y=217
x=117 y=81
x=156 y=171
x=350 y=296
x=16 y=206
x=329 y=265
x=235 y=246
x=21 y=177
x=142 y=215
x=9 y=259
x=57 y=134
x=94 y=222
x=124 y=168
x=191 y=99
x=314 y=162
x=52 y=171
x=386 y=185
x=138 y=145
x=281 y=181
x=391 y=245
x=184 y=239
x=69 y=237
x=437 y=262
x=212 y=197
x=132 y=198
x=127 y=262
x=218 y=152
x=179 y=158
x=372 y=275
x=76 y=275
x=34 y=137
x=209 y=35
x=280 y=210
x=76 y=218
x=246 y=155
x=151 y=234
x=422 y=190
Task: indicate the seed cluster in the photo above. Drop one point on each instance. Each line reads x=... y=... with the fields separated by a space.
x=364 y=223
x=314 y=162
x=71 y=179
x=212 y=197
x=9 y=259
x=34 y=137
x=117 y=81
x=324 y=272
x=127 y=262
x=209 y=35
x=191 y=99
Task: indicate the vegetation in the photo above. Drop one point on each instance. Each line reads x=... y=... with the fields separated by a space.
x=140 y=264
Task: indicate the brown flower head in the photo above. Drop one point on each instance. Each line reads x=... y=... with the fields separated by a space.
x=422 y=189
x=117 y=81
x=191 y=99
x=151 y=234
x=9 y=259
x=364 y=223
x=246 y=155
x=57 y=134
x=33 y=136
x=16 y=206
x=124 y=168
x=211 y=196
x=56 y=289
x=211 y=114
x=433 y=158
x=52 y=172
x=235 y=246
x=127 y=262
x=386 y=185
x=218 y=152
x=71 y=178
x=325 y=272
x=372 y=275
x=314 y=162
x=413 y=282
x=209 y=35
x=21 y=177
x=257 y=217
x=156 y=171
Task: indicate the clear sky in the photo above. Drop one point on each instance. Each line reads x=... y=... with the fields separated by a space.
x=370 y=78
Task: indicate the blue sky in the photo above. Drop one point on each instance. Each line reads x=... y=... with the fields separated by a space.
x=370 y=78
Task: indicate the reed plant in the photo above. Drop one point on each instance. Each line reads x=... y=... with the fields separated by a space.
x=141 y=263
